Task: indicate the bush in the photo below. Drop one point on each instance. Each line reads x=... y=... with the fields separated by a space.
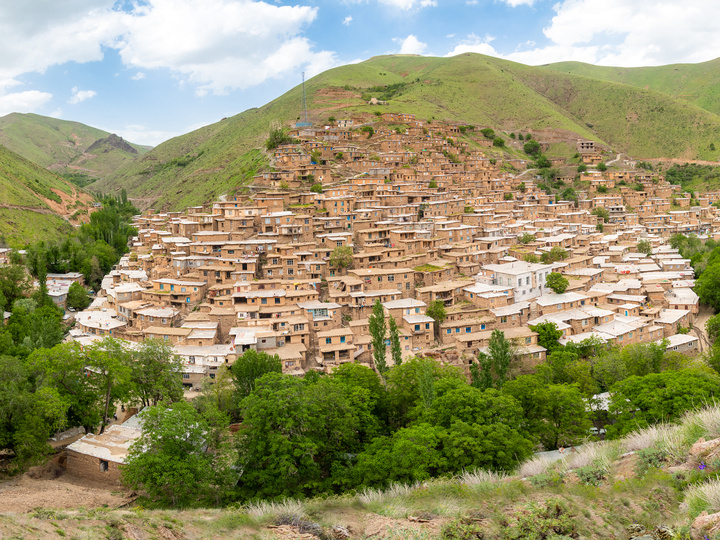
x=277 y=137
x=369 y=130
x=461 y=529
x=316 y=188
x=499 y=141
x=488 y=133
x=532 y=148
x=591 y=475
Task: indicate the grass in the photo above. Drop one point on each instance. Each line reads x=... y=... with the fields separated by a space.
x=427 y=268
x=50 y=141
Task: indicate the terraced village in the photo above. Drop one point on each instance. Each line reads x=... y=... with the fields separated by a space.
x=411 y=214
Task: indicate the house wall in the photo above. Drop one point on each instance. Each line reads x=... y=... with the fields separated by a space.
x=88 y=467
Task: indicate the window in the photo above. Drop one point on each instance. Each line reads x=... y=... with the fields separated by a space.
x=379 y=278
x=186 y=375
x=277 y=300
x=482 y=327
x=103 y=465
x=391 y=278
x=528 y=340
x=449 y=331
x=427 y=326
x=263 y=300
x=342 y=339
x=417 y=327
x=457 y=330
x=328 y=341
x=290 y=262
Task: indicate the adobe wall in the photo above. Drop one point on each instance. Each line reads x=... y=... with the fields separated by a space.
x=88 y=467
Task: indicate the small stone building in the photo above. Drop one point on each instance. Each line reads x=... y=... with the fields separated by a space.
x=98 y=457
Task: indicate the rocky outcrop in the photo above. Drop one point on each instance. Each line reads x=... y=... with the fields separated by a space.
x=112 y=142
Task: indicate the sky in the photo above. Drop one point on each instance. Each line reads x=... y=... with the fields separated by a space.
x=149 y=70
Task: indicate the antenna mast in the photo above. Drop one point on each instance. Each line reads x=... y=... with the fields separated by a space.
x=303 y=113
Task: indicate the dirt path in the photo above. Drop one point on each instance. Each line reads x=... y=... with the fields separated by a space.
x=698 y=327
x=40 y=487
x=28 y=208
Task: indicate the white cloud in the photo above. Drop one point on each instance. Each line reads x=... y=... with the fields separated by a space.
x=410 y=45
x=138 y=76
x=621 y=33
x=215 y=45
x=407 y=5
x=138 y=134
x=23 y=102
x=516 y=3
x=475 y=44
x=78 y=96
x=347 y=20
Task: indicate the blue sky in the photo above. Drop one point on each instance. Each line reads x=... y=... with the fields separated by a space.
x=152 y=69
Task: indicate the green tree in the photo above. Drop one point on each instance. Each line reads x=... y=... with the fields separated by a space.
x=433 y=184
x=532 y=149
x=712 y=328
x=342 y=257
x=169 y=462
x=395 y=348
x=644 y=246
x=14 y=283
x=638 y=402
x=602 y=213
x=501 y=353
x=436 y=311
x=499 y=142
x=411 y=387
x=557 y=282
x=555 y=254
x=526 y=238
x=77 y=297
x=28 y=415
x=378 y=329
x=548 y=335
x=252 y=365
x=707 y=286
x=297 y=434
x=277 y=137
x=155 y=373
x=601 y=167
x=316 y=188
x=108 y=365
x=554 y=414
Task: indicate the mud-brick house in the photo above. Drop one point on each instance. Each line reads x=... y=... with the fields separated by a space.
x=99 y=457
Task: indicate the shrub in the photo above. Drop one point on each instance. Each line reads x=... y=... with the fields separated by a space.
x=316 y=188
x=461 y=529
x=488 y=133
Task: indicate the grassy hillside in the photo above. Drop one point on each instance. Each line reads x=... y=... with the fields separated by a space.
x=698 y=84
x=60 y=145
x=31 y=200
x=470 y=88
x=656 y=481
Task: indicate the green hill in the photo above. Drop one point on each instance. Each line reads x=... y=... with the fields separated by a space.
x=33 y=201
x=698 y=84
x=63 y=146
x=471 y=88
